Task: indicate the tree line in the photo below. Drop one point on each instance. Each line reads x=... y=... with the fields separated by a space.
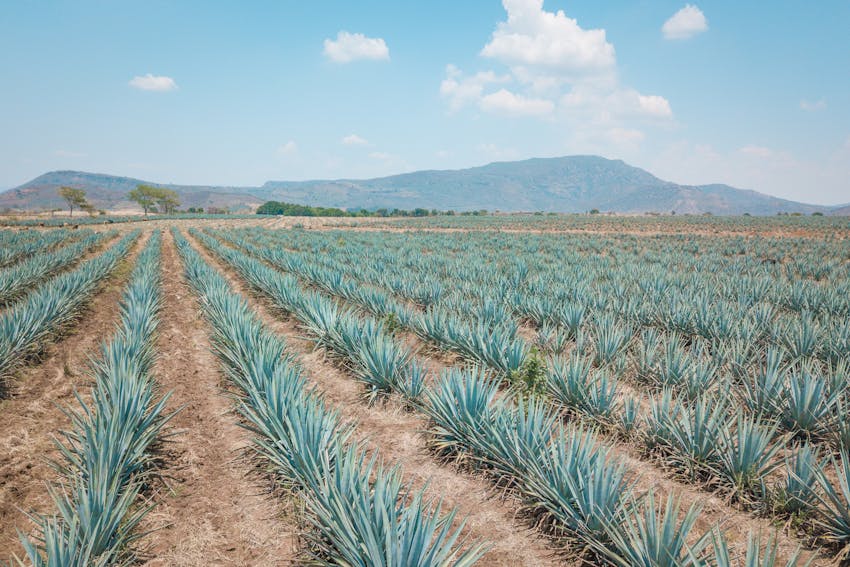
x=296 y=210
x=156 y=199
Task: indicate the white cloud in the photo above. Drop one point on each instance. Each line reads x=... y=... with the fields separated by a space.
x=555 y=70
x=153 y=83
x=654 y=105
x=353 y=46
x=355 y=140
x=507 y=102
x=812 y=106
x=288 y=148
x=684 y=24
x=461 y=90
x=533 y=37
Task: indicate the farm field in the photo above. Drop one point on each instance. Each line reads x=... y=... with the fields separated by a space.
x=517 y=390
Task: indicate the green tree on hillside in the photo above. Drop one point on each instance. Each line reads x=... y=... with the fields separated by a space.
x=74 y=198
x=167 y=200
x=148 y=197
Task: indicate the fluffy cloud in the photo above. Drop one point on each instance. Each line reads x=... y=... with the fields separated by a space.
x=684 y=24
x=654 y=105
x=507 y=102
x=533 y=37
x=288 y=148
x=350 y=47
x=812 y=106
x=556 y=70
x=355 y=140
x=461 y=90
x=153 y=83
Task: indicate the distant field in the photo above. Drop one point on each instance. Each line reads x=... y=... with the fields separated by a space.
x=569 y=388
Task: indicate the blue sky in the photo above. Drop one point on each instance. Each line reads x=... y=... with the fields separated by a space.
x=752 y=94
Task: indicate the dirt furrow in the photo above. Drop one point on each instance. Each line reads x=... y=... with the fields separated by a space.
x=32 y=414
x=398 y=436
x=213 y=511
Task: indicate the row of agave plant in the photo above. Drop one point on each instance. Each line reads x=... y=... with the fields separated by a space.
x=17 y=280
x=730 y=310
x=17 y=245
x=689 y=361
x=740 y=452
x=106 y=456
x=572 y=482
x=826 y=226
x=365 y=345
x=54 y=304
x=492 y=344
x=569 y=506
x=776 y=271
x=804 y=401
x=360 y=512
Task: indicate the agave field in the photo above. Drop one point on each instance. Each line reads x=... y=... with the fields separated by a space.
x=443 y=392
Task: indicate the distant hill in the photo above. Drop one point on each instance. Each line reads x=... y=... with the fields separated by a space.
x=564 y=184
x=110 y=192
x=840 y=210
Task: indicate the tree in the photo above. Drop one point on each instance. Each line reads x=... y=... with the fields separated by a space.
x=74 y=198
x=145 y=195
x=167 y=200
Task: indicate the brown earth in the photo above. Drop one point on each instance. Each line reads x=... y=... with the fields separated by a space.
x=213 y=512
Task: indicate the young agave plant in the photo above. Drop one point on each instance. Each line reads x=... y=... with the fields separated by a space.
x=383 y=364
x=802 y=337
x=610 y=338
x=763 y=394
x=676 y=363
x=756 y=554
x=797 y=492
x=460 y=408
x=578 y=485
x=645 y=536
x=630 y=416
x=519 y=434
x=808 y=407
x=833 y=509
x=647 y=359
x=695 y=435
x=361 y=521
x=747 y=455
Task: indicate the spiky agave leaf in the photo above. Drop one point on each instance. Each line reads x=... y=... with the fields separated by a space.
x=747 y=455
x=833 y=508
x=646 y=537
x=756 y=555
x=459 y=407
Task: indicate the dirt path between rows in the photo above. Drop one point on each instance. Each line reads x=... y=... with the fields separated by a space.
x=215 y=513
x=32 y=415
x=398 y=437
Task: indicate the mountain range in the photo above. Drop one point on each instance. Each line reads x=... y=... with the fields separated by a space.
x=562 y=184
